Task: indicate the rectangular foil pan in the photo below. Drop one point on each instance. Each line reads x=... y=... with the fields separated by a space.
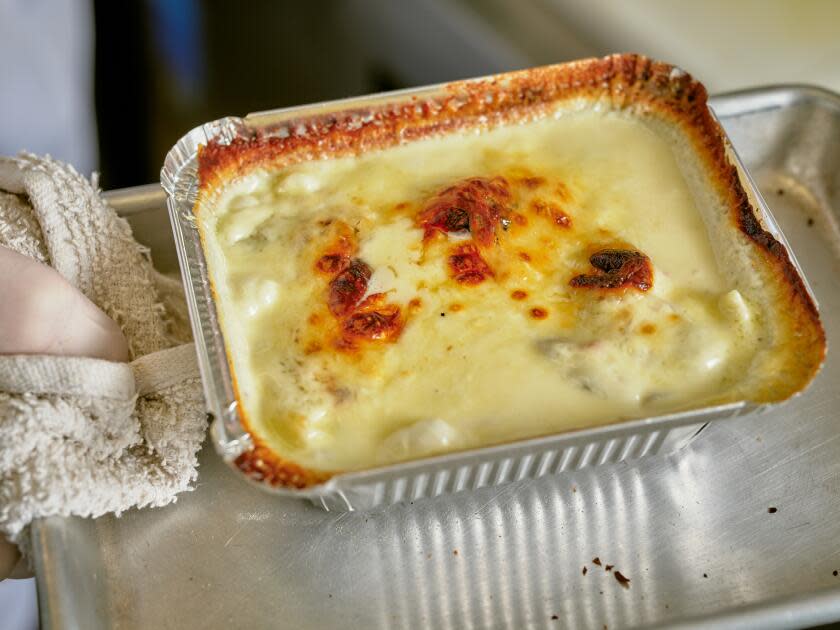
x=420 y=478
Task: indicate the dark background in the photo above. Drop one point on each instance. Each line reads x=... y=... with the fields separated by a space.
x=163 y=67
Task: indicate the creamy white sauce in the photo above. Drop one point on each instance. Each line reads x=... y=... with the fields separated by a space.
x=489 y=372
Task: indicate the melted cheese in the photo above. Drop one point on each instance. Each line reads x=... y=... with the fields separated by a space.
x=521 y=353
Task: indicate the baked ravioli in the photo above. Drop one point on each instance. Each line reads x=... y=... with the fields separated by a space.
x=545 y=251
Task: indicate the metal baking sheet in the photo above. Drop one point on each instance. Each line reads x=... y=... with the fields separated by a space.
x=693 y=531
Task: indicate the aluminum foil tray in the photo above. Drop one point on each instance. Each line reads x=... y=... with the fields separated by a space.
x=692 y=531
x=417 y=479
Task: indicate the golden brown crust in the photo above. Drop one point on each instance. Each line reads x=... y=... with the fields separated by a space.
x=804 y=333
x=625 y=81
x=262 y=464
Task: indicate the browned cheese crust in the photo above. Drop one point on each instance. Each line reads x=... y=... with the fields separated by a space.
x=625 y=81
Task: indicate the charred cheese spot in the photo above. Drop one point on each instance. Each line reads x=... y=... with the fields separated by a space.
x=552 y=212
x=519 y=294
x=538 y=312
x=361 y=319
x=348 y=287
x=372 y=321
x=466 y=265
x=477 y=205
x=562 y=219
x=617 y=269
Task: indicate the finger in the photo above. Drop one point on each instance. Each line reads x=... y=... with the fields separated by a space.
x=42 y=313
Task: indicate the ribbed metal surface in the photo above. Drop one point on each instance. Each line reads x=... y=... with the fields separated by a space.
x=473 y=471
x=229 y=555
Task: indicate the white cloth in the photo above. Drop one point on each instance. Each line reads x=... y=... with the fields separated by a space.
x=83 y=436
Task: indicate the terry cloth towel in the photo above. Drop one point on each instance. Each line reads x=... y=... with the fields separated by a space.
x=82 y=436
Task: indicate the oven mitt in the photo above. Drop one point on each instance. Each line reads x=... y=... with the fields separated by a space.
x=83 y=436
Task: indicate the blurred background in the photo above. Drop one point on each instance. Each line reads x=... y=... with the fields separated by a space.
x=112 y=85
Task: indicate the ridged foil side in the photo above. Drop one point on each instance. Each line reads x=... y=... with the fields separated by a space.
x=473 y=470
x=179 y=178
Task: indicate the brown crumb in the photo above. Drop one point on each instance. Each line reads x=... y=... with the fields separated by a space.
x=625 y=582
x=834 y=573
x=772 y=510
x=780 y=191
x=705 y=575
x=455 y=552
x=574 y=488
x=585 y=570
x=555 y=617
x=596 y=560
x=810 y=221
x=609 y=567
